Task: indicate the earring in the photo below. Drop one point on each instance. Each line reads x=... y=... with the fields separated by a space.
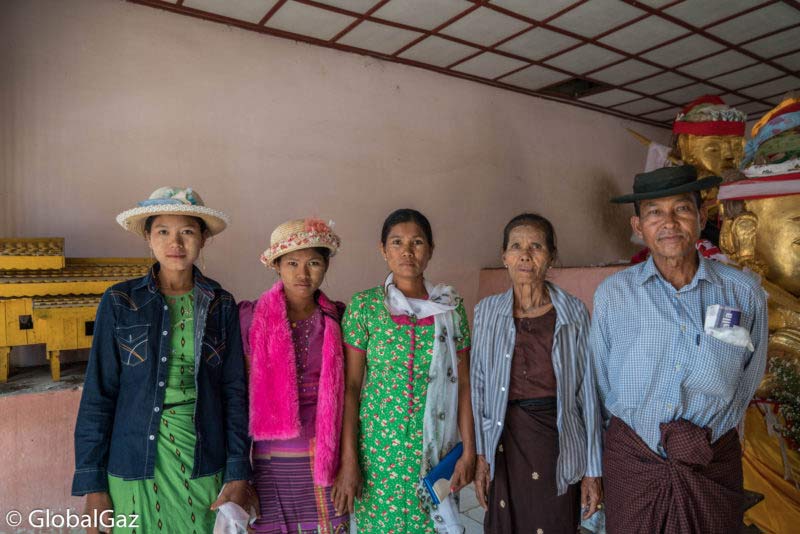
x=202 y=261
x=505 y=265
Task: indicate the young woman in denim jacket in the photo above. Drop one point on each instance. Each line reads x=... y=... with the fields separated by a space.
x=162 y=425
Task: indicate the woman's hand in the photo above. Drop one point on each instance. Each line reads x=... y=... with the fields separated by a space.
x=239 y=492
x=347 y=487
x=591 y=495
x=100 y=501
x=482 y=481
x=463 y=473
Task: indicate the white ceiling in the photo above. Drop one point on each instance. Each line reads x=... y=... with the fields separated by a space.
x=643 y=59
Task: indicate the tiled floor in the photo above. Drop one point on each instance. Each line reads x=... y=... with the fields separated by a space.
x=471 y=511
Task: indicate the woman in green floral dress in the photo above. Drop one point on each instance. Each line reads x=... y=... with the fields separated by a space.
x=407 y=341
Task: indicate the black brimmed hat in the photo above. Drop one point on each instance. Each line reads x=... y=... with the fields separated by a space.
x=667 y=182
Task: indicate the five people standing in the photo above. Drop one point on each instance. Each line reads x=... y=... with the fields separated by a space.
x=350 y=409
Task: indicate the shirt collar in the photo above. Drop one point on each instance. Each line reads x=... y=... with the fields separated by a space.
x=706 y=270
x=557 y=297
x=150 y=281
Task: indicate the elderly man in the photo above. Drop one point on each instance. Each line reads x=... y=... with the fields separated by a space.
x=674 y=372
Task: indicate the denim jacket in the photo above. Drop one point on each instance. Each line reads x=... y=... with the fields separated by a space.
x=123 y=393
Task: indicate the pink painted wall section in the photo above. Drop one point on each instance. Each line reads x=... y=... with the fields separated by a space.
x=104 y=101
x=36 y=452
x=579 y=281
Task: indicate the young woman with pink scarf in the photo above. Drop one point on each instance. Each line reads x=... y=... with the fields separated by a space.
x=294 y=343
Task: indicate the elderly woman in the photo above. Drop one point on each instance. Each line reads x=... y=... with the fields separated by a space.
x=411 y=339
x=162 y=423
x=536 y=412
x=294 y=341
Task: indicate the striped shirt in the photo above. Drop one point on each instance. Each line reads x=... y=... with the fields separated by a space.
x=578 y=415
x=653 y=361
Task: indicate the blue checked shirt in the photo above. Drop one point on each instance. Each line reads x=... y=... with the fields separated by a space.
x=652 y=360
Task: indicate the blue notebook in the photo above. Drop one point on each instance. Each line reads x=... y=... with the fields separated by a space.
x=438 y=479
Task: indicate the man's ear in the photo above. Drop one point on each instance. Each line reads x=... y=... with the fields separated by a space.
x=636 y=226
x=703 y=212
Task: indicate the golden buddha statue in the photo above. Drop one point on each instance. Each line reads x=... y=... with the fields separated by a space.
x=709 y=135
x=761 y=231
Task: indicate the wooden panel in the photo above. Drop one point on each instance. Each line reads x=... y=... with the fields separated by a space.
x=69 y=334
x=5 y=353
x=32 y=262
x=56 y=288
x=15 y=308
x=85 y=315
x=63 y=329
x=3 y=325
x=32 y=246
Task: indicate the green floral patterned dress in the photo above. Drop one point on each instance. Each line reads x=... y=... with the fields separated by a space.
x=398 y=356
x=171 y=501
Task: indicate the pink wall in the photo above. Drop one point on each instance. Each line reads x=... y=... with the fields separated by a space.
x=579 y=281
x=36 y=452
x=103 y=101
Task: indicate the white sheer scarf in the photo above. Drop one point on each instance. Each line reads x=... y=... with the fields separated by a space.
x=440 y=423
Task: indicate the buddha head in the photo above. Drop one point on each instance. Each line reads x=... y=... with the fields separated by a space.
x=709 y=136
x=761 y=221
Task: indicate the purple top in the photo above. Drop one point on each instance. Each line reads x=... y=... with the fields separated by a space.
x=307 y=336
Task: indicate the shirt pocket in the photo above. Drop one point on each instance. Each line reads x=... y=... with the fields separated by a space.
x=214 y=343
x=717 y=368
x=132 y=342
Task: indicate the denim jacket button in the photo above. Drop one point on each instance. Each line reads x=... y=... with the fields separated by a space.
x=152 y=437
x=161 y=384
x=164 y=333
x=166 y=307
x=163 y=358
x=156 y=409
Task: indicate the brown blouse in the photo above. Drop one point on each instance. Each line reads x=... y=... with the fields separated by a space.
x=532 y=374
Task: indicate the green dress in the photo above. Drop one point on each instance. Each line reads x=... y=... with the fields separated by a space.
x=171 y=501
x=398 y=351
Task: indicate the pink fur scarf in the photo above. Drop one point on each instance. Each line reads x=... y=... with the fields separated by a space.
x=274 y=408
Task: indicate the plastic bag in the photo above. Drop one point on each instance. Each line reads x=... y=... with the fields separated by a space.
x=231 y=519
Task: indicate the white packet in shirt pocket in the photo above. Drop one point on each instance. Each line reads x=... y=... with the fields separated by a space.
x=722 y=322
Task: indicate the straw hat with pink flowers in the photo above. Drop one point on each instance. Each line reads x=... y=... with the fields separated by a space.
x=297 y=235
